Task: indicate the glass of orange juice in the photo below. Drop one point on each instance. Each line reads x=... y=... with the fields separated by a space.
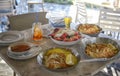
x=37 y=31
x=67 y=21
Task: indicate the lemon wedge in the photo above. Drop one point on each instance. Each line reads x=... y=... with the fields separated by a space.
x=71 y=59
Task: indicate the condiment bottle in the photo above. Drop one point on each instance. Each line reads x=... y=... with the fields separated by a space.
x=37 y=31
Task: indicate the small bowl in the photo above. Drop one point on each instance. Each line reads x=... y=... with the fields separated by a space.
x=19 y=48
x=93 y=34
x=41 y=58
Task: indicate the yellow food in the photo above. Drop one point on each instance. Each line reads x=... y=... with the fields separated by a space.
x=101 y=50
x=88 y=28
x=59 y=58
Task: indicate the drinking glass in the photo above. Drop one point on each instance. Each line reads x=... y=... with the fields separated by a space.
x=67 y=21
x=37 y=31
x=27 y=35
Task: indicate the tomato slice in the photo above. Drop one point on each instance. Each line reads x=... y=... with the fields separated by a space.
x=56 y=30
x=66 y=39
x=58 y=38
x=64 y=36
x=52 y=35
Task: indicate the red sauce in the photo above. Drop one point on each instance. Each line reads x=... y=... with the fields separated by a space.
x=20 y=48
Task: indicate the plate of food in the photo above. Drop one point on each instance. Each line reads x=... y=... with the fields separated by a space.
x=58 y=59
x=89 y=29
x=64 y=36
x=100 y=48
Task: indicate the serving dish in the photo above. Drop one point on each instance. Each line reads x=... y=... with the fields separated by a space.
x=58 y=59
x=20 y=48
x=104 y=41
x=101 y=50
x=64 y=36
x=89 y=29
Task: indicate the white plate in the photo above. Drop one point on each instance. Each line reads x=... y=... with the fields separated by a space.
x=33 y=52
x=10 y=36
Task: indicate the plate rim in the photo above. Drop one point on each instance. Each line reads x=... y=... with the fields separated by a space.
x=28 y=56
x=18 y=33
x=65 y=43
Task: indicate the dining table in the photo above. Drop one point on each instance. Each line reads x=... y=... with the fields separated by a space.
x=31 y=67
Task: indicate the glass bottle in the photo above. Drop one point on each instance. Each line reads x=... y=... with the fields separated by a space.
x=37 y=31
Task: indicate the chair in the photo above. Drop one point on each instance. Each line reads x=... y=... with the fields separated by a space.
x=32 y=2
x=81 y=14
x=25 y=21
x=109 y=21
x=6 y=7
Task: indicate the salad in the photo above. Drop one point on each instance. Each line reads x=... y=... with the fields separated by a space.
x=67 y=35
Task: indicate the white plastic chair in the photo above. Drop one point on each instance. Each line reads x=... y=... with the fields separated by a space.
x=31 y=3
x=25 y=21
x=6 y=7
x=109 y=21
x=81 y=14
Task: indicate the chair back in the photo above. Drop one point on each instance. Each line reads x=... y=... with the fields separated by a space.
x=31 y=4
x=6 y=7
x=109 y=21
x=81 y=14
x=25 y=21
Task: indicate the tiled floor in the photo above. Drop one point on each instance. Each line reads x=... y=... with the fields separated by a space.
x=5 y=70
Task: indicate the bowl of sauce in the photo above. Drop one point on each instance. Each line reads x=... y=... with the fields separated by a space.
x=19 y=48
